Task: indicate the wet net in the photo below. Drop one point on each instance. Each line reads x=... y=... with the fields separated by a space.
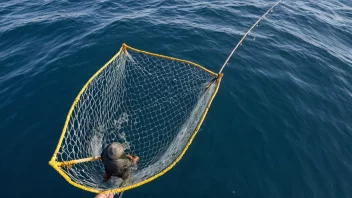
x=152 y=104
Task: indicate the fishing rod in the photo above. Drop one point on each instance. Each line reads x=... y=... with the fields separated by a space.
x=245 y=35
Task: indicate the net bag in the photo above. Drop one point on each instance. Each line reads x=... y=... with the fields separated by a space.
x=152 y=104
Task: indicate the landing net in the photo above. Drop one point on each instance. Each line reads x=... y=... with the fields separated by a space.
x=152 y=104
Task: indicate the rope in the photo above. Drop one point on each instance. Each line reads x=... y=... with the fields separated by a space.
x=245 y=35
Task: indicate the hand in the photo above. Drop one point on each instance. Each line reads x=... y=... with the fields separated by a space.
x=134 y=159
x=105 y=195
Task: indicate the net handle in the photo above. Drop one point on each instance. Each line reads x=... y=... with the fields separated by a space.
x=245 y=35
x=77 y=161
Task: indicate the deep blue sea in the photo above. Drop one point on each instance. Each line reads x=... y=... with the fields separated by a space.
x=279 y=127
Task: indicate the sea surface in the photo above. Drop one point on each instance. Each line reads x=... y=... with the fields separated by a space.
x=279 y=127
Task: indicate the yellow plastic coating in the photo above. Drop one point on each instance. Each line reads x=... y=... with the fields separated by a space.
x=171 y=58
x=57 y=165
x=71 y=162
x=68 y=179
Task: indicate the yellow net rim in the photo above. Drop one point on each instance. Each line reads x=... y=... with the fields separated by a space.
x=56 y=165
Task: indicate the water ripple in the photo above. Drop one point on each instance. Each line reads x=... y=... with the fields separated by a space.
x=282 y=117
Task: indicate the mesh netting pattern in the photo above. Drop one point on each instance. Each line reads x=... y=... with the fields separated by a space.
x=150 y=104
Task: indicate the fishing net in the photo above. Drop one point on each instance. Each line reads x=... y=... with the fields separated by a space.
x=152 y=104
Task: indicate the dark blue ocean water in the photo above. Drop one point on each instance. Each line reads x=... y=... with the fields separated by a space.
x=280 y=126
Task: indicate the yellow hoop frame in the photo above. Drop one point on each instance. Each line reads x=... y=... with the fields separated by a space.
x=56 y=165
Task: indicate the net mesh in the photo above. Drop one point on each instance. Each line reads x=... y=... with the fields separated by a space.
x=150 y=104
